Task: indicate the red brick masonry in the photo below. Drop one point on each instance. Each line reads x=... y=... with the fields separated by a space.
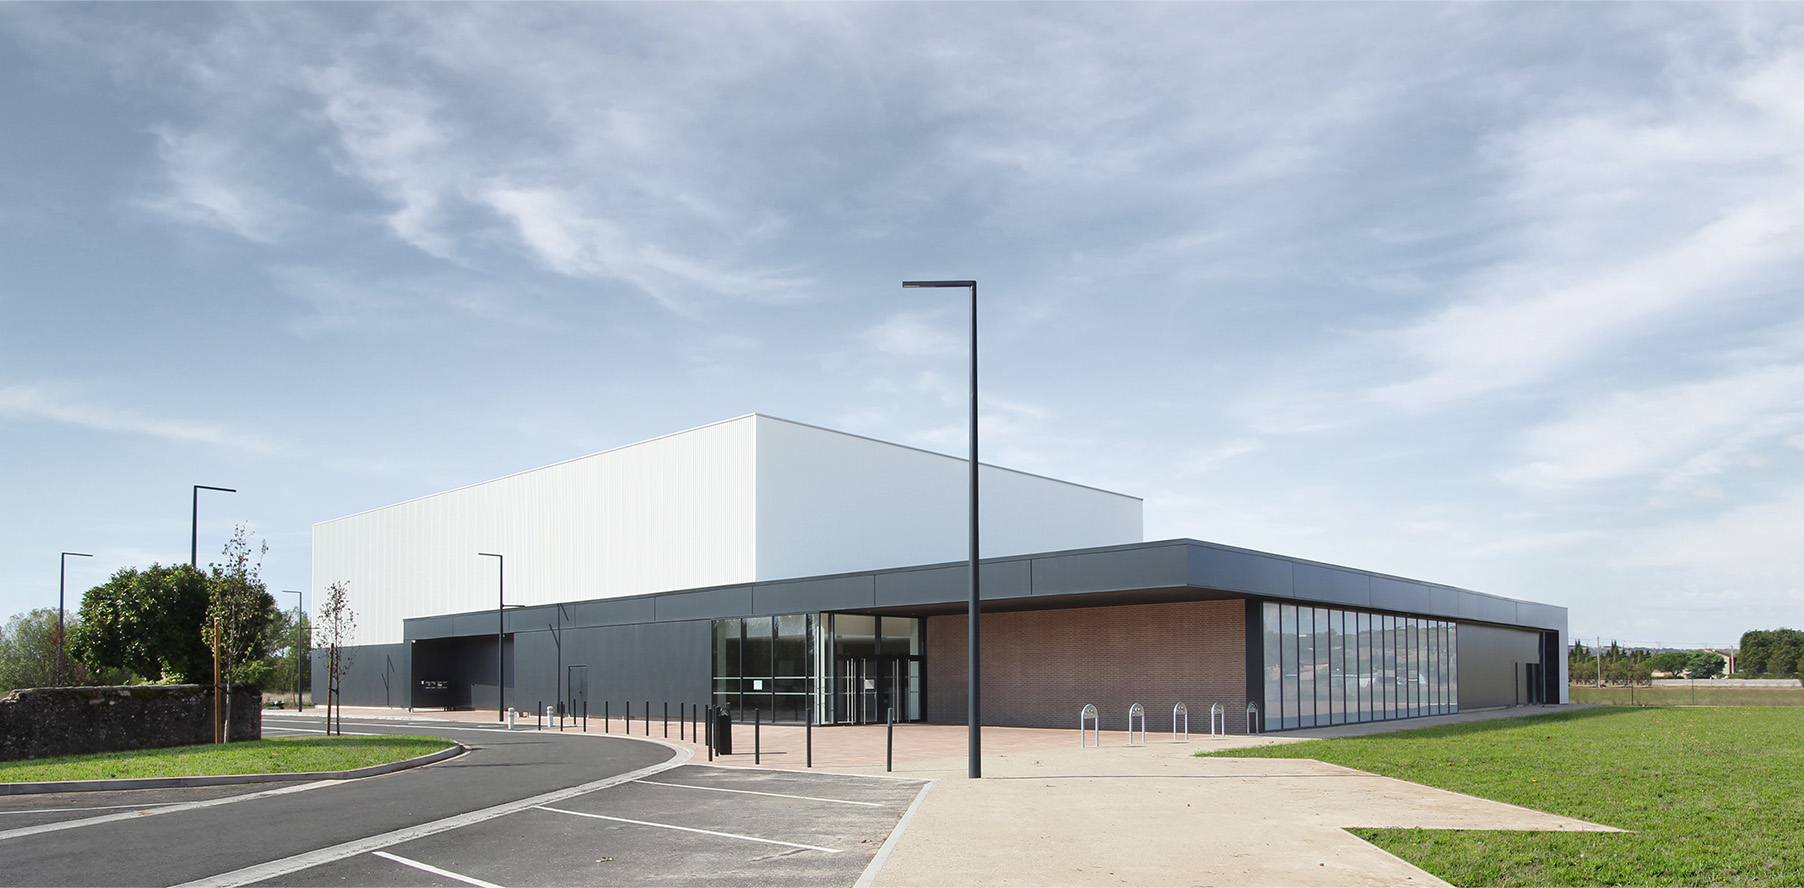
x=1041 y=667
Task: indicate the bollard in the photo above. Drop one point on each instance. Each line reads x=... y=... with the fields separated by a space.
x=757 y=722
x=605 y=727
x=585 y=716
x=628 y=706
x=681 y=718
x=710 y=726
x=510 y=718
x=539 y=717
x=648 y=718
x=889 y=742
x=810 y=733
x=667 y=719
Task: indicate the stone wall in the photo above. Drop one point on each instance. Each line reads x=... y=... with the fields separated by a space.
x=44 y=722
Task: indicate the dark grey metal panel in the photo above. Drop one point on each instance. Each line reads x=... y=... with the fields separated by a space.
x=378 y=674
x=1150 y=567
x=1389 y=593
x=705 y=604
x=1490 y=664
x=1495 y=610
x=611 y=612
x=1318 y=582
x=931 y=585
x=1542 y=616
x=1013 y=578
x=1239 y=571
x=813 y=596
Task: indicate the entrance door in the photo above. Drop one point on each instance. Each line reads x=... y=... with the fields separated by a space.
x=866 y=688
x=577 y=690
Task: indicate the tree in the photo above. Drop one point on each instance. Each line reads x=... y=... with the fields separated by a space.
x=28 y=651
x=1672 y=661
x=239 y=609
x=147 y=622
x=1705 y=664
x=337 y=622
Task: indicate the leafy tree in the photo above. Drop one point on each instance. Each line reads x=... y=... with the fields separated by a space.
x=1672 y=661
x=28 y=652
x=147 y=622
x=1772 y=652
x=1705 y=664
x=239 y=610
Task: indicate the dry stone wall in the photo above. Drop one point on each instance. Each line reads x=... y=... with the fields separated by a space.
x=45 y=722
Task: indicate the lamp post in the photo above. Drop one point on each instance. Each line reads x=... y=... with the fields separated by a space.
x=300 y=602
x=62 y=575
x=194 y=524
x=973 y=700
x=500 y=642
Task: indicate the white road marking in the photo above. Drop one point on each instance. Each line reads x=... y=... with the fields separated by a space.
x=276 y=869
x=776 y=795
x=165 y=809
x=89 y=808
x=705 y=832
x=436 y=871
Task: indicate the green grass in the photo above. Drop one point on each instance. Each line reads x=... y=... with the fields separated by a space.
x=1715 y=796
x=283 y=755
x=1702 y=695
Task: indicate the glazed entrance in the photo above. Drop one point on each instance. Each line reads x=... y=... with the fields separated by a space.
x=833 y=668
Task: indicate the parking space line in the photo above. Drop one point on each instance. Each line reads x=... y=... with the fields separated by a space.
x=436 y=871
x=775 y=795
x=705 y=832
x=276 y=869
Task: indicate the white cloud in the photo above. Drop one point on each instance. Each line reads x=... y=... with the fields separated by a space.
x=1679 y=432
x=1626 y=226
x=209 y=182
x=68 y=404
x=915 y=335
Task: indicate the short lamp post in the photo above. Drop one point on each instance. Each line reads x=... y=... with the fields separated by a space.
x=194 y=524
x=62 y=577
x=300 y=603
x=973 y=700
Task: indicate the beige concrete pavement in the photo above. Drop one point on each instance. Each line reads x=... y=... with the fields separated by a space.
x=1048 y=812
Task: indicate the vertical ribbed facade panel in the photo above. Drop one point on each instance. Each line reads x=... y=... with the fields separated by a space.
x=671 y=513
x=829 y=502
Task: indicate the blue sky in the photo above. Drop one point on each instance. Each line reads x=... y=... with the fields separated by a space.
x=1502 y=296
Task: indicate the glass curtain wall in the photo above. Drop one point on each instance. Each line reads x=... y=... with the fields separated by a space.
x=763 y=663
x=1329 y=666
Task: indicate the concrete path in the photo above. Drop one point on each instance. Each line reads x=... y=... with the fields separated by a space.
x=1048 y=812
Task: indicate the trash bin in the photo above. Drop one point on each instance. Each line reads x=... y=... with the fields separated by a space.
x=723 y=732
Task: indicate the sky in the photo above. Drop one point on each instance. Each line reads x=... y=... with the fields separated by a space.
x=1502 y=296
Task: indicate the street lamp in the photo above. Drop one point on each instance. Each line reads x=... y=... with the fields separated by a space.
x=194 y=525
x=973 y=702
x=500 y=642
x=300 y=602
x=62 y=575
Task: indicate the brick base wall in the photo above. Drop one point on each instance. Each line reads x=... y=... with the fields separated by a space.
x=1041 y=667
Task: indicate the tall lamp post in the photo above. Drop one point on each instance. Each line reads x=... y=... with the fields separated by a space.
x=500 y=641
x=973 y=700
x=62 y=576
x=300 y=602
x=194 y=524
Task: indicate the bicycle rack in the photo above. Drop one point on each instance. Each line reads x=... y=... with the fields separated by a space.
x=1253 y=723
x=1134 y=711
x=1179 y=713
x=1088 y=714
x=1218 y=721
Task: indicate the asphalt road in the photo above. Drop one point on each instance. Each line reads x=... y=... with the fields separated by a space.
x=191 y=844
x=522 y=808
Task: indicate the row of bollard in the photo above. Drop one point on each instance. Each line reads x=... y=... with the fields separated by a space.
x=708 y=725
x=1089 y=723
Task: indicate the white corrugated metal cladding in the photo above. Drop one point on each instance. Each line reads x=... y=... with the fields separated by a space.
x=752 y=498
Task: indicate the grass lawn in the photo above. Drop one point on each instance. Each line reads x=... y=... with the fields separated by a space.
x=1715 y=796
x=282 y=755
x=1702 y=695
